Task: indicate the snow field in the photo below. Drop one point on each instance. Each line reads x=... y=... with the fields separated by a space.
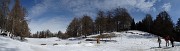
x=135 y=41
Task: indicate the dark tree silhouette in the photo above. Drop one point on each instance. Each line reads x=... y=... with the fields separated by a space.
x=87 y=25
x=109 y=22
x=163 y=24
x=73 y=27
x=100 y=22
x=4 y=11
x=178 y=25
x=133 y=25
x=122 y=19
x=147 y=23
x=19 y=25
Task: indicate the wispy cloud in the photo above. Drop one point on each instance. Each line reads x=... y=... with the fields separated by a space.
x=90 y=6
x=41 y=8
x=166 y=7
x=81 y=6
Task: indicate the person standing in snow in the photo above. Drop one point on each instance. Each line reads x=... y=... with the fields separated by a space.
x=172 y=41
x=159 y=41
x=167 y=38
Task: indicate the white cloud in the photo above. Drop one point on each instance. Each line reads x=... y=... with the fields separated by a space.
x=91 y=5
x=40 y=8
x=166 y=7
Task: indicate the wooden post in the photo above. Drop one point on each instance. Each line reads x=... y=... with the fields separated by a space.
x=98 y=40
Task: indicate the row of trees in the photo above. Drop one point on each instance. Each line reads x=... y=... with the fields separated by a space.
x=120 y=20
x=47 y=34
x=43 y=34
x=13 y=20
x=81 y=26
x=115 y=20
x=161 y=26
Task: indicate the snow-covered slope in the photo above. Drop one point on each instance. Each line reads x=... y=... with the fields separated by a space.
x=126 y=41
x=8 y=44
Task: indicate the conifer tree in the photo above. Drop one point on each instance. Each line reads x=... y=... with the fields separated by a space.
x=100 y=22
x=109 y=22
x=133 y=25
x=19 y=25
x=122 y=19
x=4 y=13
x=178 y=25
x=87 y=25
x=147 y=23
x=73 y=28
x=163 y=24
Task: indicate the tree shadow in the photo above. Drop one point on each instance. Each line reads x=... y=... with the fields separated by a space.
x=166 y=47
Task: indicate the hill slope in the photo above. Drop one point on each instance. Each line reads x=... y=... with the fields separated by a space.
x=126 y=41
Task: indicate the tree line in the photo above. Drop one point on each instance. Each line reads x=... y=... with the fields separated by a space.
x=13 y=20
x=114 y=20
x=42 y=34
x=47 y=34
x=120 y=20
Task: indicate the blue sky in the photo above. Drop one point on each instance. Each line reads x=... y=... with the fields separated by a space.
x=55 y=15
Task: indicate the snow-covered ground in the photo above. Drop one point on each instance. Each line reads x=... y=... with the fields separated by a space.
x=126 y=41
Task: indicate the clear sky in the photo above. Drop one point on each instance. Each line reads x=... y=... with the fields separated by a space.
x=55 y=15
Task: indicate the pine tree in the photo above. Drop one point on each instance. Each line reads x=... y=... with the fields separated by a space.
x=100 y=22
x=133 y=25
x=87 y=25
x=4 y=12
x=157 y=25
x=19 y=26
x=73 y=28
x=139 y=26
x=147 y=23
x=163 y=24
x=178 y=25
x=122 y=19
x=25 y=29
x=48 y=33
x=1 y=18
x=109 y=22
x=59 y=34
